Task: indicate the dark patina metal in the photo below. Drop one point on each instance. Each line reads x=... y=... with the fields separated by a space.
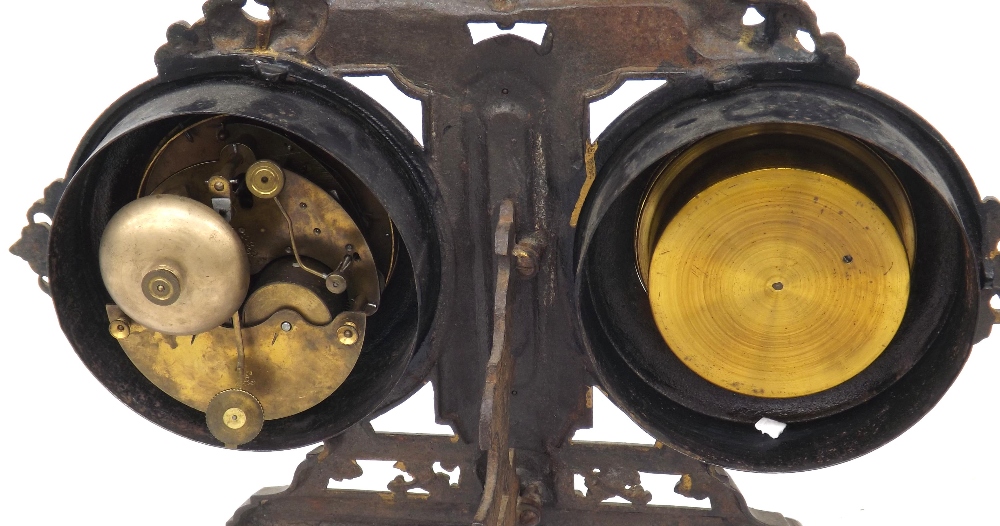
x=505 y=130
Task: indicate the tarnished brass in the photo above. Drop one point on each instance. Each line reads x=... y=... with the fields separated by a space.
x=288 y=371
x=265 y=179
x=235 y=417
x=336 y=283
x=218 y=145
x=273 y=297
x=779 y=282
x=348 y=333
x=161 y=287
x=292 y=343
x=174 y=265
x=303 y=221
x=219 y=185
x=294 y=246
x=119 y=329
x=757 y=147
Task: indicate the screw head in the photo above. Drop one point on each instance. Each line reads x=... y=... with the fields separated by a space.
x=161 y=287
x=265 y=179
x=348 y=334
x=119 y=329
x=234 y=418
x=336 y=283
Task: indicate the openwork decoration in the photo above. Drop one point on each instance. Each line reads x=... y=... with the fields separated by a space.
x=512 y=261
x=33 y=246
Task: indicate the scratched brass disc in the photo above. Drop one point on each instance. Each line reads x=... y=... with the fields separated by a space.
x=779 y=283
x=234 y=417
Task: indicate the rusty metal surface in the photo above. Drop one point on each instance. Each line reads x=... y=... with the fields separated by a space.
x=504 y=120
x=610 y=470
x=500 y=485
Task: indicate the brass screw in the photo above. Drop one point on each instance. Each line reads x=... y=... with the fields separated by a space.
x=119 y=329
x=348 y=333
x=218 y=183
x=265 y=179
x=161 y=287
x=234 y=418
x=336 y=283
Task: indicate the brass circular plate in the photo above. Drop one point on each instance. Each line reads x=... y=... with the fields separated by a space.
x=265 y=301
x=234 y=417
x=208 y=268
x=161 y=287
x=290 y=365
x=265 y=179
x=779 y=283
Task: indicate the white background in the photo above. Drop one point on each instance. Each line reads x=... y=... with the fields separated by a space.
x=71 y=453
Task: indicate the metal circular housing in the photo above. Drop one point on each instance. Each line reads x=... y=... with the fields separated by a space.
x=316 y=125
x=889 y=159
x=174 y=265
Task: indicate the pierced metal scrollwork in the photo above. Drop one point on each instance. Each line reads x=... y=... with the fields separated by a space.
x=613 y=470
x=33 y=246
x=616 y=482
x=293 y=29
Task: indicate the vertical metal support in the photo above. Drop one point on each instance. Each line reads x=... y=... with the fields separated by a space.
x=501 y=486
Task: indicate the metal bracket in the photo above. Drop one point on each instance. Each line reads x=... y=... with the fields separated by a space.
x=989 y=213
x=33 y=246
x=497 y=497
x=501 y=486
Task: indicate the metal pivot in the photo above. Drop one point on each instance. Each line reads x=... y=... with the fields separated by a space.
x=496 y=496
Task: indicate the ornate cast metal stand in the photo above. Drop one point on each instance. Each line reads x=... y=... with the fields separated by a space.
x=505 y=129
x=610 y=470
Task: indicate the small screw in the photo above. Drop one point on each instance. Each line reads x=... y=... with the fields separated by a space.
x=119 y=329
x=336 y=283
x=848 y=259
x=348 y=334
x=220 y=186
x=505 y=91
x=317 y=231
x=303 y=205
x=285 y=326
